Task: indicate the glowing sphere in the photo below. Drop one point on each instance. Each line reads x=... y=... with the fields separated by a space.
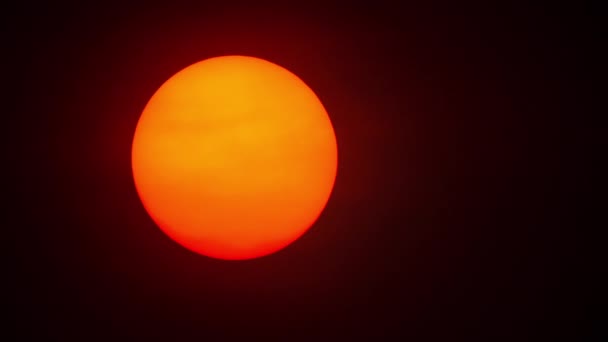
x=234 y=157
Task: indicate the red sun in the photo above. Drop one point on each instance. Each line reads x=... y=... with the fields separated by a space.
x=234 y=157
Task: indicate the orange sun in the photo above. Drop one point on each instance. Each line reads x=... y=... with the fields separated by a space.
x=234 y=157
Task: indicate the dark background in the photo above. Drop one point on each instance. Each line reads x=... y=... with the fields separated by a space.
x=457 y=206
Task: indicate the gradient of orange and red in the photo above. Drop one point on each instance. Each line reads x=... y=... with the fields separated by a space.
x=458 y=198
x=234 y=157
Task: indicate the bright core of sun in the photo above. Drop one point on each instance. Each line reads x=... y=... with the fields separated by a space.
x=234 y=157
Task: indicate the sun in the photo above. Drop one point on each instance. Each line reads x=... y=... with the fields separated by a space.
x=234 y=157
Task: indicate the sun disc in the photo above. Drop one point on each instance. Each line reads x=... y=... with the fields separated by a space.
x=234 y=157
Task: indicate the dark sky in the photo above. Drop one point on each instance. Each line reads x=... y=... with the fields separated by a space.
x=457 y=205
